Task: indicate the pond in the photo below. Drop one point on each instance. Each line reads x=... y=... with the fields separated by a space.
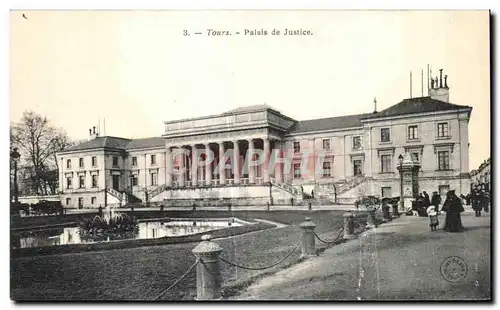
x=146 y=230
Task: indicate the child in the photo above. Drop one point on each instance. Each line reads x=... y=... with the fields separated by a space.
x=433 y=216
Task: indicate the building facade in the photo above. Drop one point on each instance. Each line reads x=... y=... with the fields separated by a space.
x=257 y=155
x=481 y=177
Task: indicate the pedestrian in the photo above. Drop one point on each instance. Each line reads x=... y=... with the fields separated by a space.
x=386 y=209
x=476 y=203
x=453 y=207
x=433 y=217
x=436 y=201
x=427 y=201
x=485 y=199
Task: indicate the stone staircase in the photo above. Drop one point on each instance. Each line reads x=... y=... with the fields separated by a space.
x=347 y=186
x=160 y=189
x=286 y=187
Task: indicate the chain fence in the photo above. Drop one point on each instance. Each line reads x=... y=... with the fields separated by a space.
x=294 y=249
x=266 y=267
x=330 y=242
x=177 y=281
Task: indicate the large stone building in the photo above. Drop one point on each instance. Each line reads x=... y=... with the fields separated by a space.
x=335 y=159
x=481 y=177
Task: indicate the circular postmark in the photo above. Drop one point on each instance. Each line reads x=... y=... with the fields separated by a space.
x=454 y=269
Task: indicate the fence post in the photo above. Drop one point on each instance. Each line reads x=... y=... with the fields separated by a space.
x=208 y=277
x=348 y=226
x=308 y=238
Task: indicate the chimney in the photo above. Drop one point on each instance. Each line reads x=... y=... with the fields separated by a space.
x=439 y=91
x=92 y=133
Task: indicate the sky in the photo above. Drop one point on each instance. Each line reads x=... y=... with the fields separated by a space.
x=136 y=69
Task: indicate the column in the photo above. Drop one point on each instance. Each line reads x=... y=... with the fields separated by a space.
x=265 y=165
x=168 y=167
x=208 y=165
x=236 y=162
x=222 y=164
x=279 y=166
x=194 y=165
x=251 y=168
x=182 y=170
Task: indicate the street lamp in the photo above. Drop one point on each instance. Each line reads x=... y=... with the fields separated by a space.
x=14 y=155
x=400 y=159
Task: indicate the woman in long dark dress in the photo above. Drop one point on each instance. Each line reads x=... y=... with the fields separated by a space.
x=453 y=207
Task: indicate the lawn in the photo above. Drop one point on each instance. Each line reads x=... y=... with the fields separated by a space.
x=143 y=273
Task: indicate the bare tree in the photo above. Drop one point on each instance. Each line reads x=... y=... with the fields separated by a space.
x=38 y=141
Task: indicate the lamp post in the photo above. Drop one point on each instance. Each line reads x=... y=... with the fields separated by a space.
x=401 y=196
x=14 y=155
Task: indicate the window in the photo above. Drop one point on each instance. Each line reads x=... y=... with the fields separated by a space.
x=442 y=130
x=356 y=143
x=94 y=161
x=386 y=192
x=385 y=163
x=80 y=202
x=385 y=135
x=68 y=201
x=154 y=178
x=326 y=144
x=80 y=163
x=415 y=156
x=135 y=180
x=81 y=181
x=134 y=161
x=357 y=167
x=296 y=171
x=115 y=161
x=153 y=159
x=443 y=160
x=412 y=132
x=94 y=181
x=93 y=200
x=296 y=147
x=68 y=163
x=68 y=182
x=327 y=171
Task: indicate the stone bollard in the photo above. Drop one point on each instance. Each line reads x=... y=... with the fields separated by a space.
x=371 y=222
x=310 y=206
x=208 y=277
x=308 y=238
x=348 y=226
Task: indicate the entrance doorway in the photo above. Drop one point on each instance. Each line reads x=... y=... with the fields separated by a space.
x=116 y=182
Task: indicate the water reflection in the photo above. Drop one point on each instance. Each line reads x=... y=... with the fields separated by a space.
x=147 y=230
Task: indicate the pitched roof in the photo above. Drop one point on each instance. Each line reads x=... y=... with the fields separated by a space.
x=145 y=143
x=251 y=108
x=416 y=105
x=118 y=143
x=329 y=123
x=100 y=142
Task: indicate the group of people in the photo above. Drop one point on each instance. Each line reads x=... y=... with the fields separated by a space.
x=452 y=205
x=480 y=201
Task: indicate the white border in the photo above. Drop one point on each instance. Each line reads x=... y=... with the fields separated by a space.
x=185 y=4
